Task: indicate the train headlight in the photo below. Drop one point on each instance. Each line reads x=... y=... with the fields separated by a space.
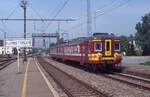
x=117 y=56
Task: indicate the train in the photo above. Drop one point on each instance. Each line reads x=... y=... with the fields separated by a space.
x=102 y=50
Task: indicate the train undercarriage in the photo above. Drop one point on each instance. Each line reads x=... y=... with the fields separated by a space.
x=104 y=67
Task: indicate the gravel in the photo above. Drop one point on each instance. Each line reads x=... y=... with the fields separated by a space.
x=111 y=87
x=60 y=92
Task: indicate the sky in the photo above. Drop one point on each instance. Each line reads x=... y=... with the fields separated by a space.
x=114 y=16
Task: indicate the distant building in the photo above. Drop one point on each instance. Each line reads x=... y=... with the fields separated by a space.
x=1 y=43
x=132 y=41
x=10 y=50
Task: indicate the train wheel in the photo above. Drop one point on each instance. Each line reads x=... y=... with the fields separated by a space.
x=119 y=67
x=93 y=67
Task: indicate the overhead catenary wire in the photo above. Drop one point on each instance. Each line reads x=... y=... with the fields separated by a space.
x=43 y=22
x=101 y=8
x=114 y=7
x=58 y=12
x=40 y=16
x=13 y=11
x=108 y=4
x=55 y=9
x=36 y=12
x=102 y=13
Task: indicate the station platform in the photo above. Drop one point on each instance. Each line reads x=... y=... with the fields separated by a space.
x=132 y=63
x=29 y=82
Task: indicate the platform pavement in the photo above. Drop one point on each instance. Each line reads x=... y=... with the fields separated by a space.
x=28 y=83
x=134 y=62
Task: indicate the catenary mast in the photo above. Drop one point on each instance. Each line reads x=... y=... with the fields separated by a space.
x=89 y=18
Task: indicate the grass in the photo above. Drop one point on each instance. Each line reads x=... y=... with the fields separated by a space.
x=146 y=63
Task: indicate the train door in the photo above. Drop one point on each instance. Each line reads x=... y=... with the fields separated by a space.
x=86 y=52
x=107 y=47
x=82 y=54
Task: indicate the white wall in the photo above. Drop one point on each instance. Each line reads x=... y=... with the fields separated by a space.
x=9 y=50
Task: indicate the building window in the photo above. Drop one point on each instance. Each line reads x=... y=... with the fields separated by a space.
x=117 y=46
x=98 y=46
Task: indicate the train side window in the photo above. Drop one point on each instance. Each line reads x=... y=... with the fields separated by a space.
x=98 y=46
x=117 y=46
x=78 y=47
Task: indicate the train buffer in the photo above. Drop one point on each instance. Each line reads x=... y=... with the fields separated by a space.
x=30 y=82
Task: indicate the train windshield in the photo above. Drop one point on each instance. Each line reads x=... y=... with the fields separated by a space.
x=108 y=46
x=98 y=46
x=117 y=46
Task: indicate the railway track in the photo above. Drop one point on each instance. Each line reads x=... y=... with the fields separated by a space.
x=5 y=62
x=69 y=84
x=131 y=80
x=137 y=74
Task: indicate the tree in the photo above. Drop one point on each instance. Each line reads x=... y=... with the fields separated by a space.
x=15 y=51
x=143 y=34
x=52 y=44
x=34 y=50
x=127 y=45
x=124 y=43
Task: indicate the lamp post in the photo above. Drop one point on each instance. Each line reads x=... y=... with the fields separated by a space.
x=95 y=13
x=24 y=6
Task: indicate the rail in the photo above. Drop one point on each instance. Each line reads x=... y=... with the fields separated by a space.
x=72 y=87
x=4 y=62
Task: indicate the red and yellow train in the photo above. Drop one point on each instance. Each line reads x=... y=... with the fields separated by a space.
x=100 y=50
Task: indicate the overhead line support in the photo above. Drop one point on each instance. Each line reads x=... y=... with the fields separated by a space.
x=38 y=19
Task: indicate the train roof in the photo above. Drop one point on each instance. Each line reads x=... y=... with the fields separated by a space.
x=94 y=37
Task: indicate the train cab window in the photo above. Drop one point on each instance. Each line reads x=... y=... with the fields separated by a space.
x=107 y=46
x=117 y=46
x=98 y=46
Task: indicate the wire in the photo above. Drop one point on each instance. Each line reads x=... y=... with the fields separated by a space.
x=114 y=7
x=104 y=12
x=34 y=23
x=61 y=8
x=35 y=11
x=53 y=12
x=13 y=11
x=104 y=6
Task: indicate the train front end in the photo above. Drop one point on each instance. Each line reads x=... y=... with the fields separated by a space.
x=105 y=51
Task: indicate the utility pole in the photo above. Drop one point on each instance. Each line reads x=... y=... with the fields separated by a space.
x=89 y=19
x=24 y=6
x=97 y=11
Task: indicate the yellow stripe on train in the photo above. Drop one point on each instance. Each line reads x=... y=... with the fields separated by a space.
x=98 y=57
